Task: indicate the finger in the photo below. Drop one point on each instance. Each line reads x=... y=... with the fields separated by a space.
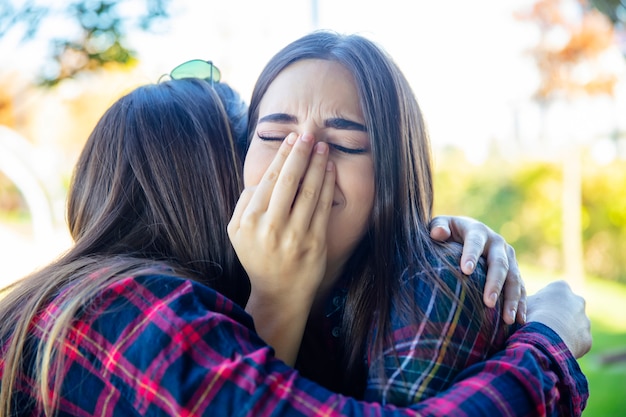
x=476 y=238
x=512 y=295
x=522 y=306
x=289 y=179
x=235 y=221
x=500 y=267
x=460 y=226
x=439 y=228
x=497 y=272
x=473 y=246
x=514 y=274
x=308 y=195
x=264 y=189
x=514 y=291
x=319 y=222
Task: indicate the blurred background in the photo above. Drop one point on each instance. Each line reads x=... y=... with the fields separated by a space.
x=525 y=102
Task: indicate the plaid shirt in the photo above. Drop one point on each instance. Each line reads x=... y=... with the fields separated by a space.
x=427 y=355
x=163 y=346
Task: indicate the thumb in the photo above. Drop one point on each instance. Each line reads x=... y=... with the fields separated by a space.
x=440 y=228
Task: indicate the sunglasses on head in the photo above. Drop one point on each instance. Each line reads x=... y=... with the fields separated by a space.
x=197 y=68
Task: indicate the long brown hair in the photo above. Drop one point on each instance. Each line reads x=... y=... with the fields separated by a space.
x=398 y=239
x=152 y=190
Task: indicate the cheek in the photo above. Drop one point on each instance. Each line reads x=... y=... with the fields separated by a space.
x=356 y=181
x=258 y=159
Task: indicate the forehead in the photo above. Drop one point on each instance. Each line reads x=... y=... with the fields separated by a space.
x=313 y=85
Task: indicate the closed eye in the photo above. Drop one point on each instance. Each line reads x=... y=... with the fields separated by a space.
x=343 y=149
x=271 y=138
x=351 y=151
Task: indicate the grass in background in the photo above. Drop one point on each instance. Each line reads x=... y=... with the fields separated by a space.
x=606 y=307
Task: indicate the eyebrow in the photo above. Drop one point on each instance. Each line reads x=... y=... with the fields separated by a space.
x=344 y=124
x=279 y=118
x=334 y=123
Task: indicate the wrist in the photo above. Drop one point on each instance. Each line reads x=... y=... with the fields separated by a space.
x=280 y=322
x=569 y=335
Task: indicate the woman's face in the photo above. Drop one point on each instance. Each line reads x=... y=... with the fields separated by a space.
x=320 y=97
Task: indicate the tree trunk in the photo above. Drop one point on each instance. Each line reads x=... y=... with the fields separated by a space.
x=572 y=216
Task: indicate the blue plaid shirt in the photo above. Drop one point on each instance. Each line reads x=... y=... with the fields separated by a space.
x=163 y=346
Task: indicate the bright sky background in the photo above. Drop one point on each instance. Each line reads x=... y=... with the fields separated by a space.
x=465 y=60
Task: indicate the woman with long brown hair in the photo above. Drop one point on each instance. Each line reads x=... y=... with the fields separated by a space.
x=393 y=319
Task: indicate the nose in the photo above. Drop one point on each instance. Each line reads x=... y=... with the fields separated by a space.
x=314 y=133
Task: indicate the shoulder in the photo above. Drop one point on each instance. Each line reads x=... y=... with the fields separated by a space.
x=169 y=293
x=160 y=336
x=441 y=273
x=436 y=293
x=164 y=301
x=144 y=317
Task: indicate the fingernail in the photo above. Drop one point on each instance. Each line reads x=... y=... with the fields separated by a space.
x=494 y=297
x=329 y=166
x=320 y=147
x=524 y=317
x=513 y=312
x=291 y=138
x=469 y=265
x=307 y=137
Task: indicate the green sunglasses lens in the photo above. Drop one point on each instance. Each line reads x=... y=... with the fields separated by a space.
x=197 y=68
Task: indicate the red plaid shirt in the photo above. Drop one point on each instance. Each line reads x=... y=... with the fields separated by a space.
x=163 y=346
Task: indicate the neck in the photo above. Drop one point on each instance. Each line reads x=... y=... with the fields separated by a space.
x=333 y=272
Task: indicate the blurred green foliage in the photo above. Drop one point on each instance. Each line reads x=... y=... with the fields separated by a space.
x=605 y=303
x=521 y=200
x=604 y=205
x=607 y=381
x=98 y=36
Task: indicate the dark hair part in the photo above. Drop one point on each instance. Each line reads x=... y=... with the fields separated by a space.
x=152 y=190
x=398 y=238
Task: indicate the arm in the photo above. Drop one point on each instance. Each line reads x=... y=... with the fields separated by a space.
x=279 y=233
x=535 y=375
x=179 y=348
x=502 y=269
x=555 y=313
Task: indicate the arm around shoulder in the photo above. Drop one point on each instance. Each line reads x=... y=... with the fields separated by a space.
x=180 y=348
